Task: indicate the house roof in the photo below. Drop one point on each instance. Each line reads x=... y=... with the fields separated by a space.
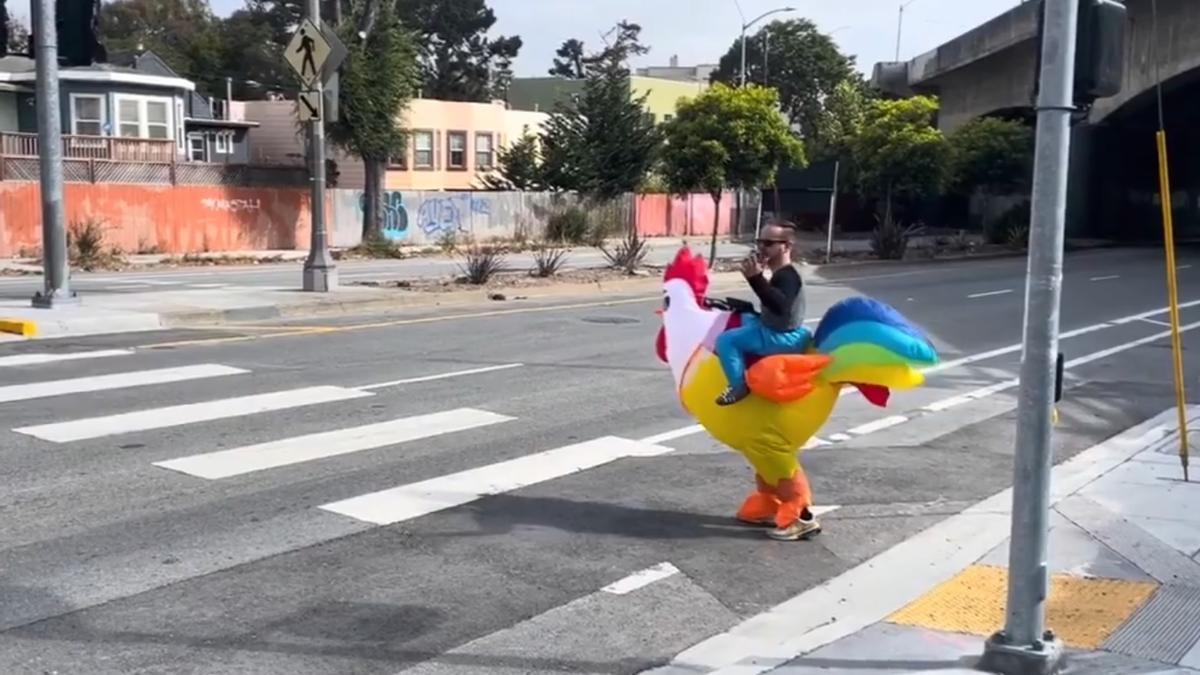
x=21 y=69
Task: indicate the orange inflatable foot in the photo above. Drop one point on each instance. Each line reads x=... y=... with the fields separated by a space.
x=759 y=509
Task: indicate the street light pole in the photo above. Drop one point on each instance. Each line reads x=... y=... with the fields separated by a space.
x=746 y=26
x=320 y=272
x=1024 y=646
x=57 y=282
x=900 y=27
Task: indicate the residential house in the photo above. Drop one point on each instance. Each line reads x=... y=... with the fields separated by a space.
x=544 y=93
x=452 y=145
x=674 y=71
x=134 y=108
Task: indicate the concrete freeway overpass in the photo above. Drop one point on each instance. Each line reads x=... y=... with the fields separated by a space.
x=991 y=69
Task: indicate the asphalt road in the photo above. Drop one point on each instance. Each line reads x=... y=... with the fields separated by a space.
x=128 y=547
x=286 y=275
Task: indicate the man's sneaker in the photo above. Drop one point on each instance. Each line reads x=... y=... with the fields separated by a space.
x=732 y=395
x=803 y=528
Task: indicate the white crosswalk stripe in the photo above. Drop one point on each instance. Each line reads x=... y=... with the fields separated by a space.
x=41 y=359
x=288 y=451
x=81 y=385
x=418 y=499
x=161 y=418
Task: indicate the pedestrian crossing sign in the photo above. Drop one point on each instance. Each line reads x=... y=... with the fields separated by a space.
x=307 y=52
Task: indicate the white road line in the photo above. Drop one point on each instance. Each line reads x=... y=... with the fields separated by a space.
x=1184 y=267
x=273 y=454
x=974 y=395
x=1138 y=317
x=35 y=359
x=641 y=579
x=989 y=294
x=1155 y=322
x=161 y=418
x=441 y=376
x=878 y=425
x=1106 y=278
x=436 y=494
x=839 y=437
x=673 y=434
x=22 y=392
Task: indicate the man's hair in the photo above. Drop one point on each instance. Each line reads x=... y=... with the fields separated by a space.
x=787 y=225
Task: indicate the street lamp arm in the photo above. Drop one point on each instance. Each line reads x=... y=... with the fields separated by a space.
x=764 y=15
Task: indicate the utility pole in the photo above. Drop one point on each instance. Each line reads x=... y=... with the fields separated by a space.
x=57 y=273
x=1024 y=645
x=320 y=272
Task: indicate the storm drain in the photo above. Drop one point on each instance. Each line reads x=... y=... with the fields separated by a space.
x=1166 y=628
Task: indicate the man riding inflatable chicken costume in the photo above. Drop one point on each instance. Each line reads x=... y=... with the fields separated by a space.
x=762 y=384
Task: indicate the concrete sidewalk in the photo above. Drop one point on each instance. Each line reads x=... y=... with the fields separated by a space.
x=1124 y=595
x=135 y=312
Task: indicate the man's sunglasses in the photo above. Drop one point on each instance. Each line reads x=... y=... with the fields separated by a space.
x=769 y=242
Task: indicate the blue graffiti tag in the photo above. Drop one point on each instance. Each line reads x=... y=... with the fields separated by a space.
x=440 y=216
x=394 y=216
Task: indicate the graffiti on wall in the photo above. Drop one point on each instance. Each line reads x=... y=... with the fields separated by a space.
x=436 y=217
x=251 y=204
x=444 y=216
x=395 y=215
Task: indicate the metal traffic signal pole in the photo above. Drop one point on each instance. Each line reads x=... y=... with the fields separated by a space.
x=1024 y=646
x=57 y=273
x=320 y=272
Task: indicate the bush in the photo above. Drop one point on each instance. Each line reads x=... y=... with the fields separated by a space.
x=482 y=263
x=570 y=226
x=376 y=245
x=86 y=246
x=889 y=241
x=628 y=254
x=1012 y=228
x=548 y=260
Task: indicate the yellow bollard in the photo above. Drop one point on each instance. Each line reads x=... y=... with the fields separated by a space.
x=1164 y=187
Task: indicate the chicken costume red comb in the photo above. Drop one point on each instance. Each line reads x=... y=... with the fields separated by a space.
x=689 y=268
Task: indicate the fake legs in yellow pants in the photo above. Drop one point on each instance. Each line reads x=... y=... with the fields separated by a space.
x=780 y=504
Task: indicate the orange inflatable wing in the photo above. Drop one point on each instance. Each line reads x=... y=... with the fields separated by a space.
x=786 y=377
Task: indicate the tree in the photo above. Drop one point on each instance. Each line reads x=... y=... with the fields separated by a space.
x=992 y=155
x=573 y=64
x=603 y=142
x=379 y=77
x=728 y=138
x=802 y=63
x=182 y=32
x=14 y=36
x=517 y=166
x=841 y=120
x=458 y=61
x=899 y=152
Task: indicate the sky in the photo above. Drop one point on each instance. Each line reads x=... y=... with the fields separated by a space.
x=700 y=31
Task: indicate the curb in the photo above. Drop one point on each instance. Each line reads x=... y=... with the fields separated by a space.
x=334 y=306
x=21 y=327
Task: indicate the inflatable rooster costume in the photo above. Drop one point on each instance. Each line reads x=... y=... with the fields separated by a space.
x=859 y=342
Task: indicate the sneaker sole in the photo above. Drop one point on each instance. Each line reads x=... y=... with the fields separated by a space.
x=803 y=536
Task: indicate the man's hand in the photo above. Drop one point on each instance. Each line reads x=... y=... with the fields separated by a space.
x=751 y=267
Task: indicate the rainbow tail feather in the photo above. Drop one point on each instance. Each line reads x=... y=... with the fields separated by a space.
x=872 y=347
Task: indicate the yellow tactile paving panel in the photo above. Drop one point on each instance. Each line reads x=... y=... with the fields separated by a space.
x=1083 y=612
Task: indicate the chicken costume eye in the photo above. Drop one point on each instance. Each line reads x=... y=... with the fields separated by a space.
x=859 y=342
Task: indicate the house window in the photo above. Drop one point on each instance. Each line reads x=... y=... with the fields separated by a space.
x=400 y=159
x=197 y=148
x=484 y=154
x=423 y=149
x=88 y=116
x=456 y=142
x=224 y=144
x=144 y=117
x=179 y=123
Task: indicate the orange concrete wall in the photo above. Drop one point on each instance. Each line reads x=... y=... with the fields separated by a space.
x=660 y=215
x=179 y=219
